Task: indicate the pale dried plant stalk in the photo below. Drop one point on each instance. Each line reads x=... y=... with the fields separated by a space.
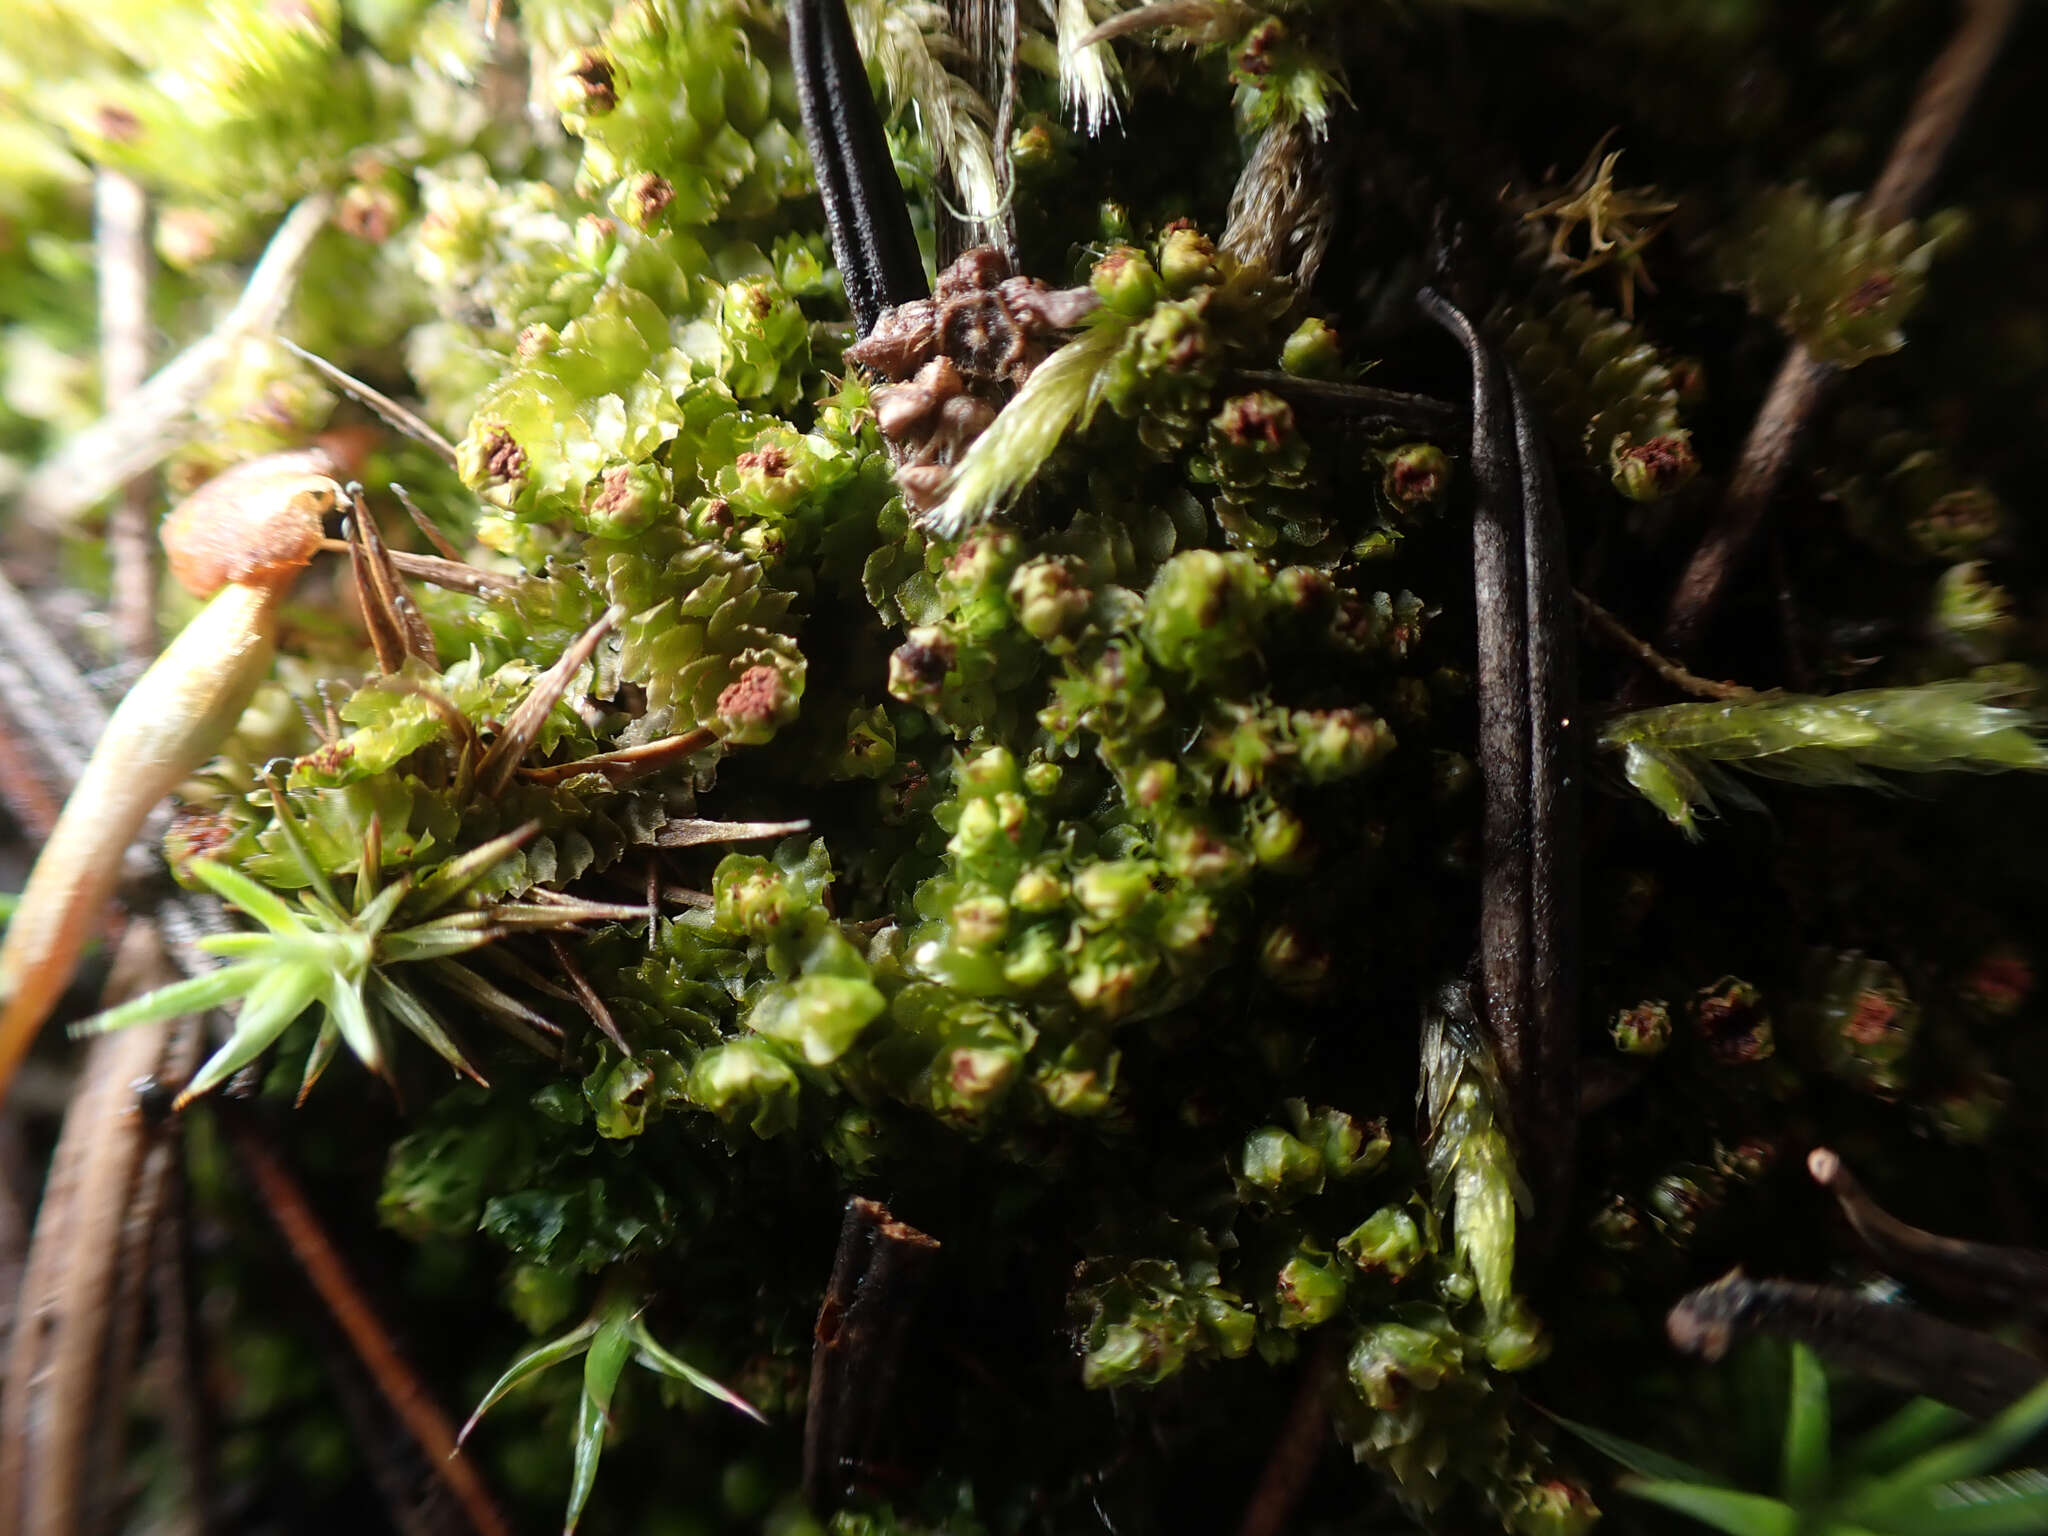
x=917 y=54
x=1091 y=80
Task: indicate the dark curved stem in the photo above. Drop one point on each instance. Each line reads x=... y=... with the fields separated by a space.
x=1881 y=1340
x=864 y=205
x=1982 y=1273
x=1528 y=759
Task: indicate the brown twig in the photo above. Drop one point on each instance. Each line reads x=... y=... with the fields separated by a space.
x=1678 y=677
x=1884 y=1341
x=1980 y=1273
x=324 y=1269
x=57 y=1387
x=586 y=994
x=393 y=413
x=454 y=575
x=432 y=534
x=95 y=463
x=1296 y=1450
x=626 y=763
x=524 y=726
x=187 y=1407
x=1950 y=85
x=121 y=250
x=878 y=1278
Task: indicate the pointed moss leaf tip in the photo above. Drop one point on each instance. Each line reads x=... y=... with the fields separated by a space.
x=1061 y=395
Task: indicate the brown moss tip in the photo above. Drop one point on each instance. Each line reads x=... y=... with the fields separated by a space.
x=257 y=524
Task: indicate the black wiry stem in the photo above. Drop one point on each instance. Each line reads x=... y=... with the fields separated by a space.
x=864 y=205
x=1528 y=757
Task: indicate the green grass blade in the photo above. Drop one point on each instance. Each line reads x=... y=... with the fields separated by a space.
x=1808 y=1425
x=324 y=1045
x=2010 y=1504
x=416 y=1016
x=278 y=997
x=1979 y=1452
x=238 y=890
x=288 y=828
x=345 y=1007
x=193 y=995
x=610 y=1347
x=1919 y=1425
x=1639 y=1459
x=655 y=1358
x=1725 y=1509
x=591 y=1425
x=534 y=1361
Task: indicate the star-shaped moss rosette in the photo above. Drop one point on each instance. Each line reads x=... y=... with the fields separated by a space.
x=607 y=1339
x=342 y=957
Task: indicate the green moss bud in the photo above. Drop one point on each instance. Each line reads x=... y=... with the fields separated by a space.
x=980 y=922
x=752 y=897
x=1415 y=478
x=1309 y=1288
x=1681 y=1200
x=918 y=667
x=1231 y=1326
x=1957 y=523
x=1386 y=1243
x=819 y=1017
x=1034 y=958
x=1042 y=778
x=642 y=202
x=1082 y=1080
x=976 y=1072
x=1039 y=889
x=1312 y=351
x=1196 y=854
x=1553 y=1508
x=1517 y=1339
x=1999 y=982
x=1651 y=470
x=870 y=750
x=1973 y=615
x=1154 y=785
x=586 y=85
x=1187 y=923
x=1730 y=1018
x=746 y=1080
x=1034 y=149
x=1187 y=260
x=1047 y=600
x=621 y=1093
x=492 y=463
x=1292 y=961
x=1334 y=744
x=1113 y=889
x=624 y=500
x=1855 y=1016
x=1643 y=1030
x=755 y=705
x=1392 y=1361
x=1109 y=974
x=1280 y=1166
x=1351 y=1147
x=1203 y=612
x=1127 y=282
x=1278 y=840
